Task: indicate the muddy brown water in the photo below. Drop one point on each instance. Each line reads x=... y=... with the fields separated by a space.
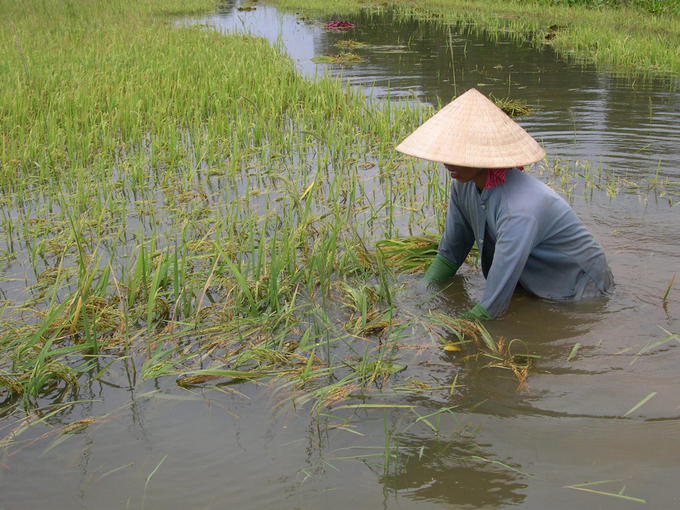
x=489 y=446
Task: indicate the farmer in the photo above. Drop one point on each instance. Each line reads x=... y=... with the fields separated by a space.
x=525 y=232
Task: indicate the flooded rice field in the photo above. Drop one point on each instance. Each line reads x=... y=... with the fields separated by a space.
x=597 y=425
x=621 y=123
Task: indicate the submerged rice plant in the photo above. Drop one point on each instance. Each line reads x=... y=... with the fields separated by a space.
x=627 y=36
x=187 y=204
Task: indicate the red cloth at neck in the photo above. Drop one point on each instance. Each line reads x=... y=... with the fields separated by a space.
x=496 y=176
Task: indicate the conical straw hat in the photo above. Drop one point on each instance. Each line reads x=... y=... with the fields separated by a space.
x=471 y=131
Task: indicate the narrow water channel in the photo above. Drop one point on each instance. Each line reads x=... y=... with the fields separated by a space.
x=618 y=123
x=601 y=407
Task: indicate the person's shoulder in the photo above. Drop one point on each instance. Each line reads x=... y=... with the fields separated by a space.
x=524 y=194
x=515 y=174
x=524 y=182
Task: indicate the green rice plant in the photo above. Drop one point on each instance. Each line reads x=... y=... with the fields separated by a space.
x=668 y=290
x=185 y=200
x=652 y=345
x=464 y=331
x=586 y=487
x=498 y=354
x=370 y=369
x=409 y=254
x=573 y=351
x=162 y=362
x=156 y=306
x=625 y=37
x=368 y=317
x=148 y=478
x=513 y=108
x=639 y=404
x=247 y=6
x=67 y=431
x=426 y=418
x=36 y=364
x=502 y=355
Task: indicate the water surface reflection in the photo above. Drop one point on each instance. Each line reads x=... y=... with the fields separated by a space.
x=624 y=124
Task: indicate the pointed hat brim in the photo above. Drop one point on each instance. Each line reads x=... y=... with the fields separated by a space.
x=471 y=131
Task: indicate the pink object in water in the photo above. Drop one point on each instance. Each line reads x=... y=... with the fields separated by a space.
x=339 y=25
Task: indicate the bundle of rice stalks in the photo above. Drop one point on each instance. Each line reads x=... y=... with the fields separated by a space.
x=504 y=355
x=513 y=108
x=453 y=334
x=409 y=254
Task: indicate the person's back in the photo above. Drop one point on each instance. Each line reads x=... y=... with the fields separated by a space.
x=539 y=242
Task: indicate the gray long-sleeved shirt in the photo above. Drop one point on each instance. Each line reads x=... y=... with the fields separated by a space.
x=540 y=242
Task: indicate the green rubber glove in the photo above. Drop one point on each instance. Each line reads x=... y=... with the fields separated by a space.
x=440 y=269
x=478 y=313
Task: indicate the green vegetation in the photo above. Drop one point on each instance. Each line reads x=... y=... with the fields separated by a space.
x=349 y=44
x=638 y=35
x=179 y=203
x=341 y=58
x=652 y=6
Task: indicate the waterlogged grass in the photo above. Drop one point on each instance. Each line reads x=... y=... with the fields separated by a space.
x=412 y=254
x=180 y=204
x=572 y=177
x=639 y=36
x=513 y=108
x=344 y=58
x=349 y=44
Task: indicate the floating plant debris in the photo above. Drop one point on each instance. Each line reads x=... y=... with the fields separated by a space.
x=349 y=43
x=247 y=6
x=339 y=25
x=514 y=108
x=342 y=58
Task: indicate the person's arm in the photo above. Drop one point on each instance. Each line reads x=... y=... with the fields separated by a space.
x=516 y=239
x=456 y=241
x=440 y=269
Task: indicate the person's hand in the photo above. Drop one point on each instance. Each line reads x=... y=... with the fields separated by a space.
x=478 y=313
x=440 y=269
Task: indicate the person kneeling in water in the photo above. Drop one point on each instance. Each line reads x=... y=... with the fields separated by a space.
x=525 y=232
